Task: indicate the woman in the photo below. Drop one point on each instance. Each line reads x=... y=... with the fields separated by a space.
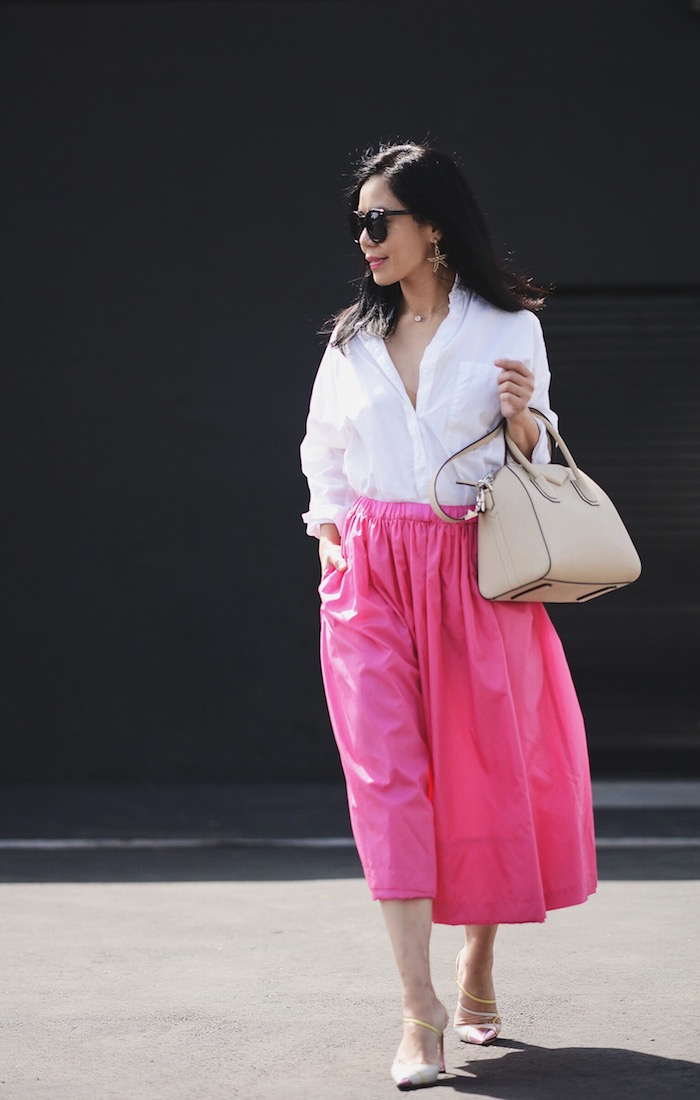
x=457 y=724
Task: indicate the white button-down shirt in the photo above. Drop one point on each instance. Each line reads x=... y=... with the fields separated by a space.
x=365 y=438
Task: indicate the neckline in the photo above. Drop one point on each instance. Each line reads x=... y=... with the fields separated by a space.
x=459 y=301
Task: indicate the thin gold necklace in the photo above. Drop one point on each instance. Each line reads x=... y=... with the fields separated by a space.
x=419 y=317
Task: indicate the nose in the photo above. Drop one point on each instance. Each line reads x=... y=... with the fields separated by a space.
x=365 y=240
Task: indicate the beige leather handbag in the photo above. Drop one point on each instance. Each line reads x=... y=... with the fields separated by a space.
x=547 y=533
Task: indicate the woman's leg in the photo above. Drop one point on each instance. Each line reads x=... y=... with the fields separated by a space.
x=474 y=973
x=409 y=923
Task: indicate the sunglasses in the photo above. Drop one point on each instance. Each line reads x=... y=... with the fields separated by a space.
x=374 y=221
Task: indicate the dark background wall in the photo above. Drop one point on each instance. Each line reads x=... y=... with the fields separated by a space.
x=173 y=239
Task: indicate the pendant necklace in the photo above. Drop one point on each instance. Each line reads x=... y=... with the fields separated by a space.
x=419 y=317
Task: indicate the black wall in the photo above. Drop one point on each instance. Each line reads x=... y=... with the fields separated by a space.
x=173 y=239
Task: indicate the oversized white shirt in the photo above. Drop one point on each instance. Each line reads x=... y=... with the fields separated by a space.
x=365 y=438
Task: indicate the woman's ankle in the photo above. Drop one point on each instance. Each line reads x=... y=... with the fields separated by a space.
x=427 y=1008
x=475 y=978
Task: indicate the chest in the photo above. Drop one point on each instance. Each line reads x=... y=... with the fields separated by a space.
x=406 y=347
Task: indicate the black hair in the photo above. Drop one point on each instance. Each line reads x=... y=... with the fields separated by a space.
x=433 y=188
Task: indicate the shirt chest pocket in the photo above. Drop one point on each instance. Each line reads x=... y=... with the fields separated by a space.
x=474 y=407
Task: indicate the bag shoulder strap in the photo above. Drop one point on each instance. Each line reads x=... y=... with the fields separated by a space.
x=432 y=491
x=581 y=482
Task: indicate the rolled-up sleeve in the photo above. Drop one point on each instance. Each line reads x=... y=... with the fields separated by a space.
x=323 y=449
x=539 y=366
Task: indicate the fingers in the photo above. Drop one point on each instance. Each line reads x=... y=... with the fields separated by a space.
x=514 y=364
x=516 y=384
x=331 y=555
x=514 y=374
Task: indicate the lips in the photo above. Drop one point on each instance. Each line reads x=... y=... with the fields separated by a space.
x=375 y=262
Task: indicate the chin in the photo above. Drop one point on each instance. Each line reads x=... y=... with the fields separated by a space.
x=383 y=278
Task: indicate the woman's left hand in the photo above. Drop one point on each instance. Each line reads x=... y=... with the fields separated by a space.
x=516 y=385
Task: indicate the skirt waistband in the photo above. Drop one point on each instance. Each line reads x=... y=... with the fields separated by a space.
x=407 y=510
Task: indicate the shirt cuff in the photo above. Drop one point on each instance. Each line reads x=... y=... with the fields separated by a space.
x=314 y=523
x=541 y=453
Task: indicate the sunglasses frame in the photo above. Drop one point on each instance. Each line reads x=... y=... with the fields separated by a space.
x=356 y=219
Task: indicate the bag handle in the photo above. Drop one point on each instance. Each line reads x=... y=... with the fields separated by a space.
x=581 y=483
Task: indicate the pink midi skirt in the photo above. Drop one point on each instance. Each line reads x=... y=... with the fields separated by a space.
x=458 y=727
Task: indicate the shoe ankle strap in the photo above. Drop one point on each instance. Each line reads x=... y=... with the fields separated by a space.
x=479 y=1000
x=421 y=1023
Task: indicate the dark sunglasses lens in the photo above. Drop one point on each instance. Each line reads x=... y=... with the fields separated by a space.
x=374 y=222
x=355 y=226
x=376 y=226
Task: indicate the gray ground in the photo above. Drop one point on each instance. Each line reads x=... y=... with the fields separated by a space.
x=226 y=968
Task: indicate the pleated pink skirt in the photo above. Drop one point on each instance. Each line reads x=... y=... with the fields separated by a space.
x=458 y=726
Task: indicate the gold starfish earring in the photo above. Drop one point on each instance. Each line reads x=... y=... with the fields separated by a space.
x=438 y=259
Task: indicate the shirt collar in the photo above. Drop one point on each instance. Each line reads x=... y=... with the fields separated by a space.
x=458 y=298
x=459 y=301
x=459 y=291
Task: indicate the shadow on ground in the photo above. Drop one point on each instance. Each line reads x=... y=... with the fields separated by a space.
x=528 y=1072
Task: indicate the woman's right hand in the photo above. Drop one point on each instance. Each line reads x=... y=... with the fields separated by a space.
x=329 y=548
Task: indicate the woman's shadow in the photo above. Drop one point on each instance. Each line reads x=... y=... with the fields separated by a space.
x=526 y=1072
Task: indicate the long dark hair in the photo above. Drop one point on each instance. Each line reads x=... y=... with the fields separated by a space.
x=432 y=187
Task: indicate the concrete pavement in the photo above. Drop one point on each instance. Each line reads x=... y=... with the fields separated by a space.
x=239 y=970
